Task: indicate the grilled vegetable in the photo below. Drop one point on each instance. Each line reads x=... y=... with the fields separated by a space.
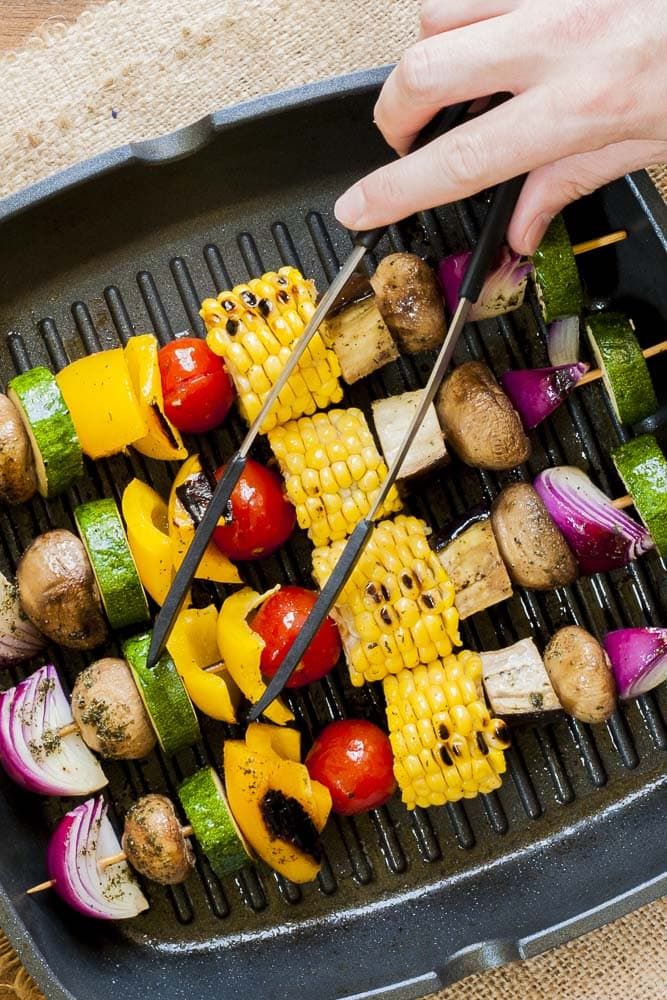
x=502 y=292
x=600 y=536
x=154 y=843
x=103 y=535
x=624 y=369
x=359 y=337
x=638 y=659
x=473 y=563
x=282 y=740
x=107 y=707
x=58 y=592
x=397 y=609
x=147 y=523
x=534 y=550
x=260 y=518
x=446 y=744
x=254 y=327
x=479 y=421
x=83 y=838
x=56 y=447
x=556 y=275
x=353 y=759
x=193 y=644
x=516 y=681
x=162 y=440
x=278 y=623
x=392 y=417
x=18 y=479
x=19 y=639
x=241 y=649
x=164 y=696
x=536 y=392
x=332 y=472
x=105 y=410
x=642 y=466
x=580 y=672
x=409 y=299
x=279 y=810
x=205 y=803
x=563 y=341
x=198 y=392
x=32 y=751
x=190 y=488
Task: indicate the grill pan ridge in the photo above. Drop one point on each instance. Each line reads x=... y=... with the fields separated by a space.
x=405 y=902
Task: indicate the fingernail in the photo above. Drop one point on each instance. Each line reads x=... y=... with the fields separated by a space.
x=349 y=208
x=534 y=233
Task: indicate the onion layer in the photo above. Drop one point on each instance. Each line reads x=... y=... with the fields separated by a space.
x=502 y=292
x=601 y=537
x=19 y=639
x=563 y=341
x=537 y=392
x=32 y=752
x=82 y=838
x=638 y=658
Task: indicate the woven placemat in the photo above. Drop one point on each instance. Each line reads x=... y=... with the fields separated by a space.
x=133 y=69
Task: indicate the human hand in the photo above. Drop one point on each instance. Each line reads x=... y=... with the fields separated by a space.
x=589 y=104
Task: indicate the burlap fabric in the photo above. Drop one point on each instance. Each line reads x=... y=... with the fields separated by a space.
x=136 y=68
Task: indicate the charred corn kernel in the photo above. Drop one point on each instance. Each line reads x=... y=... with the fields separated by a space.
x=444 y=750
x=344 y=484
x=384 y=601
x=254 y=327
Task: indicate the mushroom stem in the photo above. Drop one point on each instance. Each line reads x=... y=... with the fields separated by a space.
x=600 y=241
x=649 y=352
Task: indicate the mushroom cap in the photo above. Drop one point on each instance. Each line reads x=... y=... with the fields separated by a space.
x=581 y=674
x=154 y=843
x=109 y=712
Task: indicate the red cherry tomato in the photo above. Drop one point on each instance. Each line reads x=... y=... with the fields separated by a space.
x=197 y=390
x=279 y=621
x=262 y=517
x=353 y=759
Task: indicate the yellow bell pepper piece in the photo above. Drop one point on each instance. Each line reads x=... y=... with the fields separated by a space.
x=277 y=739
x=249 y=776
x=241 y=649
x=163 y=440
x=99 y=395
x=193 y=647
x=214 y=566
x=145 y=514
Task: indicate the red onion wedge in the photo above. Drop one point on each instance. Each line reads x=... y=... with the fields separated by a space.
x=503 y=290
x=19 y=639
x=638 y=658
x=31 y=750
x=82 y=838
x=600 y=536
x=563 y=341
x=537 y=392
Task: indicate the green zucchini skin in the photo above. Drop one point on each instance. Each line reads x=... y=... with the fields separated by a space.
x=556 y=274
x=49 y=425
x=624 y=370
x=642 y=466
x=206 y=807
x=164 y=695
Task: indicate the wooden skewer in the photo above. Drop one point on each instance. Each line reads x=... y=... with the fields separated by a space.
x=622 y=502
x=650 y=352
x=102 y=864
x=601 y=241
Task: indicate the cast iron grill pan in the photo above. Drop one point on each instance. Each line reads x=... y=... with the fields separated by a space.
x=405 y=901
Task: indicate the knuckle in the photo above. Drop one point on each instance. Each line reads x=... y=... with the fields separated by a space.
x=462 y=158
x=381 y=189
x=430 y=16
x=416 y=75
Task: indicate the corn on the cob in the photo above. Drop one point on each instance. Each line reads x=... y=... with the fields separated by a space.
x=254 y=327
x=446 y=744
x=397 y=609
x=332 y=471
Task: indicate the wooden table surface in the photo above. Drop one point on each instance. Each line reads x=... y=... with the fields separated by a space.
x=18 y=18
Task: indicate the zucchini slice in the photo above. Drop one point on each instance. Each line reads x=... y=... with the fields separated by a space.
x=164 y=694
x=205 y=803
x=556 y=274
x=49 y=426
x=624 y=369
x=103 y=535
x=642 y=466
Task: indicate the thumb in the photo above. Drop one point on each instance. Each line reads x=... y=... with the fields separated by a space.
x=550 y=188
